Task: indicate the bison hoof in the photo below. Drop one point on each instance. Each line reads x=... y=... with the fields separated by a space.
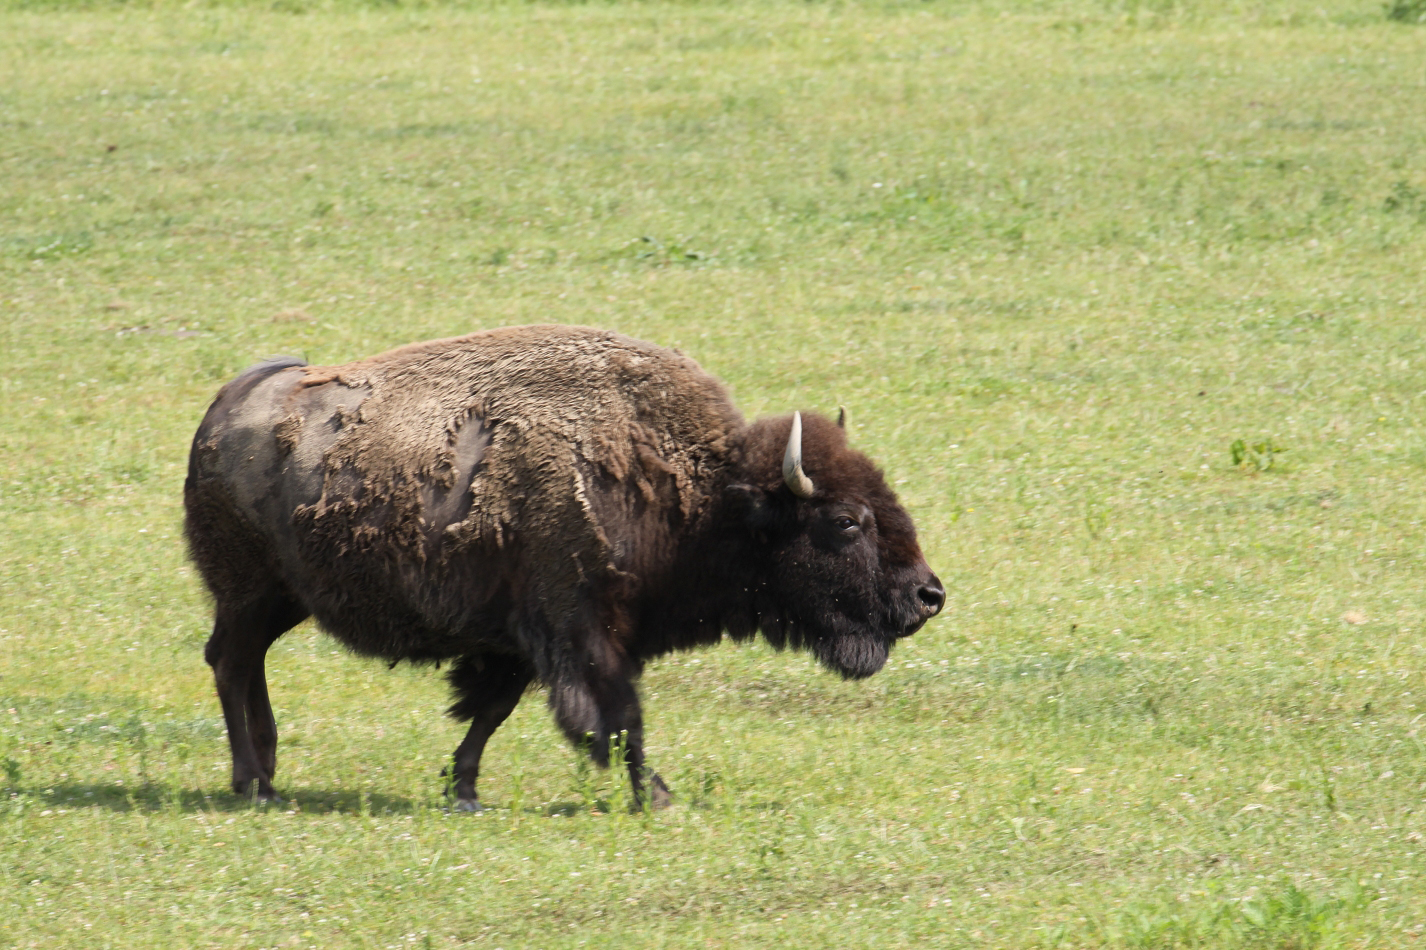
x=468 y=804
x=253 y=791
x=659 y=796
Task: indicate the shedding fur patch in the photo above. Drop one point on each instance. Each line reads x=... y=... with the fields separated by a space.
x=471 y=441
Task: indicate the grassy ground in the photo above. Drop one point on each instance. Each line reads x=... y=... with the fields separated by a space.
x=1056 y=257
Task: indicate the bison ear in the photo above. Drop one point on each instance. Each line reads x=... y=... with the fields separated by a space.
x=751 y=504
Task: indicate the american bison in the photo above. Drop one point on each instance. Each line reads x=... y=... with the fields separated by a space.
x=535 y=504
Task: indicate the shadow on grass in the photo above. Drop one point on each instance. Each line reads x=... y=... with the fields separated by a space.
x=155 y=797
x=152 y=797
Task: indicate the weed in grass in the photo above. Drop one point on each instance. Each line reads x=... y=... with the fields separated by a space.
x=620 y=801
x=584 y=784
x=1406 y=11
x=1405 y=198
x=656 y=253
x=1285 y=917
x=53 y=246
x=517 y=795
x=1255 y=458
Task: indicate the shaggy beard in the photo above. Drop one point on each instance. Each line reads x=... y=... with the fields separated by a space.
x=838 y=643
x=856 y=656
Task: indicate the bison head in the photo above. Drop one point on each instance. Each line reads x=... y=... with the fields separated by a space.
x=840 y=572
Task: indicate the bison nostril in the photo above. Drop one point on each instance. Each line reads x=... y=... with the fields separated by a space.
x=932 y=598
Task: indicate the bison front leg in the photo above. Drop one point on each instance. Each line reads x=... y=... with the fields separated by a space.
x=489 y=688
x=602 y=715
x=648 y=788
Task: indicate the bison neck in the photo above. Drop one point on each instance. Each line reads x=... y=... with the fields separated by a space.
x=715 y=587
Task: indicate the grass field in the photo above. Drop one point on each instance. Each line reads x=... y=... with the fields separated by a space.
x=1127 y=297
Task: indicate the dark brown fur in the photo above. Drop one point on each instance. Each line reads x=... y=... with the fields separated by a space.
x=538 y=504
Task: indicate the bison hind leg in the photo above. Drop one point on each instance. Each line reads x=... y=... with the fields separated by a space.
x=236 y=651
x=488 y=688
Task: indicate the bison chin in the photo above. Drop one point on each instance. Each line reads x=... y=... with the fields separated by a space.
x=855 y=655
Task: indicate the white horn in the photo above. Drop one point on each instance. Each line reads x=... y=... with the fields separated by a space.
x=792 y=472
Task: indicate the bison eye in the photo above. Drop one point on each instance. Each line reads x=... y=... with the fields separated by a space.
x=845 y=525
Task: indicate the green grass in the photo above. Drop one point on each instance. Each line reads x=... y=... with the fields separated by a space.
x=1057 y=258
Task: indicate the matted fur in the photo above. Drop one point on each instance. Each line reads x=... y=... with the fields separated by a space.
x=553 y=397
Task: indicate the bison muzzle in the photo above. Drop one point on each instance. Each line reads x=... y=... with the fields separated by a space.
x=534 y=504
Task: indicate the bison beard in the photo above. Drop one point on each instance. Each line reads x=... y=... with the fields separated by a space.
x=551 y=505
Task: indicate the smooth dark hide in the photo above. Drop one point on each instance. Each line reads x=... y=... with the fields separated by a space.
x=536 y=504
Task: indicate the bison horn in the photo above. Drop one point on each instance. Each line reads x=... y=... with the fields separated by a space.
x=842 y=417
x=792 y=472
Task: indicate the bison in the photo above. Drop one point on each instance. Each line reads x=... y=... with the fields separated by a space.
x=540 y=504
